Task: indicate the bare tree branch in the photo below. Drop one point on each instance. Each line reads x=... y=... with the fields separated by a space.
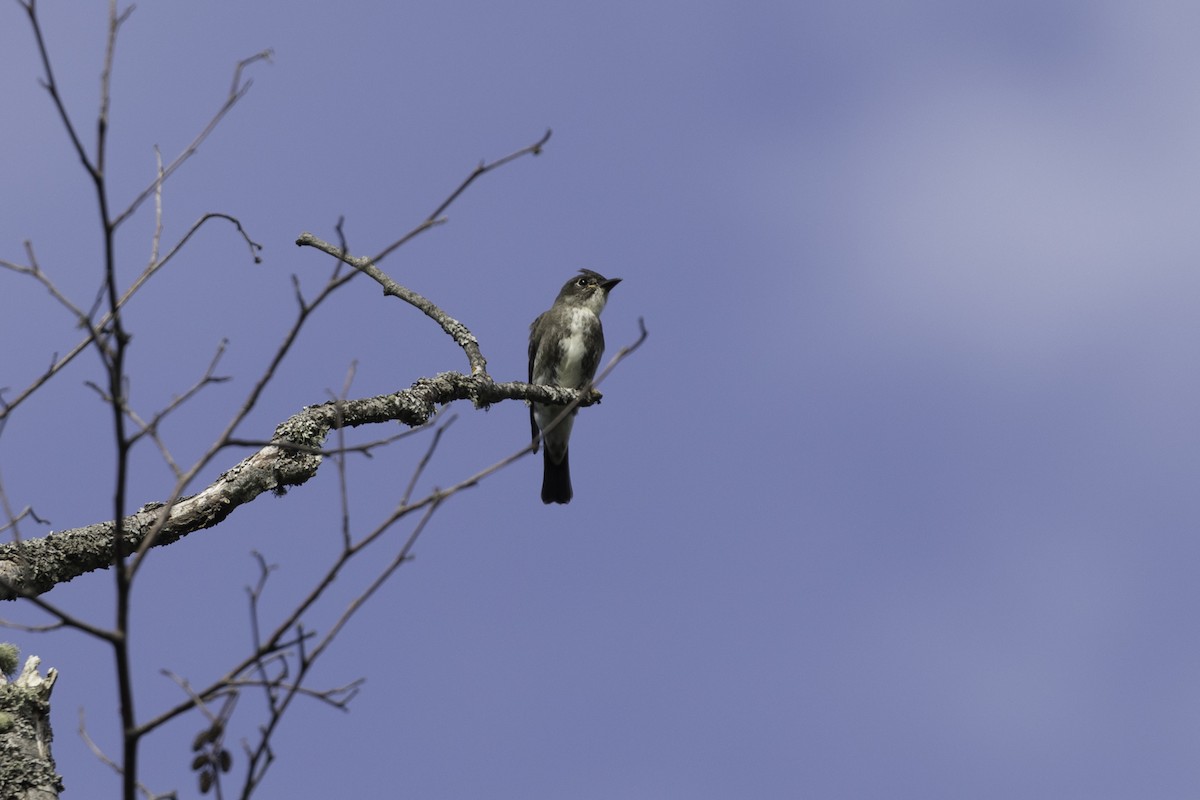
x=237 y=91
x=35 y=271
x=455 y=329
x=57 y=364
x=150 y=427
x=51 y=86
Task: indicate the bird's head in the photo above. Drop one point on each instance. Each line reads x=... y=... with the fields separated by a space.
x=589 y=289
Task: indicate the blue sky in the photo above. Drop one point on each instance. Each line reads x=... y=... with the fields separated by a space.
x=897 y=500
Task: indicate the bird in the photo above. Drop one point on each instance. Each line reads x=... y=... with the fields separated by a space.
x=565 y=346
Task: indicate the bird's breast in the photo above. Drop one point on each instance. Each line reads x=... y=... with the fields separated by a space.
x=581 y=325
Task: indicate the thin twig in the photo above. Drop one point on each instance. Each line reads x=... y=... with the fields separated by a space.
x=150 y=428
x=340 y=458
x=436 y=217
x=103 y=758
x=51 y=86
x=237 y=91
x=437 y=437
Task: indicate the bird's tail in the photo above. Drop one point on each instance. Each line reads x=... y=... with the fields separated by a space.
x=556 y=479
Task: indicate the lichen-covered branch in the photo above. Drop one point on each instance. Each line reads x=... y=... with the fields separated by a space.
x=292 y=456
x=457 y=331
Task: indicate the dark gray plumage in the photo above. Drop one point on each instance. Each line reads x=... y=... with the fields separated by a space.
x=565 y=346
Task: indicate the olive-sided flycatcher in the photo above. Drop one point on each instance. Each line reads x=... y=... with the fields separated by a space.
x=565 y=345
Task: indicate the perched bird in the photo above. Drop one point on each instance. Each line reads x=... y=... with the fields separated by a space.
x=565 y=345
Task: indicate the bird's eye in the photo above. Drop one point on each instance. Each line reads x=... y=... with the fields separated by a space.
x=582 y=282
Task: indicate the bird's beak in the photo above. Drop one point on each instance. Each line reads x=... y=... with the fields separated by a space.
x=609 y=284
